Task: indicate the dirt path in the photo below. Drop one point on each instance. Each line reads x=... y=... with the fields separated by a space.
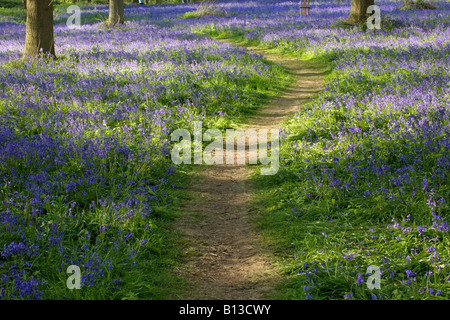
x=225 y=259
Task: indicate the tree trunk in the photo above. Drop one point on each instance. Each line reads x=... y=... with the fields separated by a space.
x=39 y=28
x=358 y=11
x=24 y=4
x=116 y=12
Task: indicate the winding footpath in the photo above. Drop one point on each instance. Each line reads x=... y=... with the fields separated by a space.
x=225 y=259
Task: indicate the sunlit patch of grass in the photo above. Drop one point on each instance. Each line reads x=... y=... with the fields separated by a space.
x=417 y=5
x=206 y=9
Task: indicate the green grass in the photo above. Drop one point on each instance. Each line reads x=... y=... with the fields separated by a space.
x=11 y=4
x=15 y=14
x=238 y=37
x=206 y=9
x=417 y=4
x=155 y=279
x=319 y=264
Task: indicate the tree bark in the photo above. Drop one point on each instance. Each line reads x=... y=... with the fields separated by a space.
x=39 y=37
x=24 y=4
x=116 y=12
x=358 y=11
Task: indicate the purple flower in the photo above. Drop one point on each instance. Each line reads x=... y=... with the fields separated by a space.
x=360 y=279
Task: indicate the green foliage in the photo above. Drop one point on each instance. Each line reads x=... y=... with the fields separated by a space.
x=14 y=14
x=206 y=9
x=417 y=5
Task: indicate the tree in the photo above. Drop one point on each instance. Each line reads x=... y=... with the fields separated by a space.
x=24 y=4
x=39 y=37
x=358 y=11
x=116 y=12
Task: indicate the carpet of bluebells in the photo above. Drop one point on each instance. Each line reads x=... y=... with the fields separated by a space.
x=84 y=144
x=367 y=163
x=85 y=167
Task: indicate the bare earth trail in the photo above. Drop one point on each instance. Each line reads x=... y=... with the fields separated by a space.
x=225 y=259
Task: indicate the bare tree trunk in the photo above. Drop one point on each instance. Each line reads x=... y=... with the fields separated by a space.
x=116 y=12
x=358 y=11
x=24 y=4
x=39 y=30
